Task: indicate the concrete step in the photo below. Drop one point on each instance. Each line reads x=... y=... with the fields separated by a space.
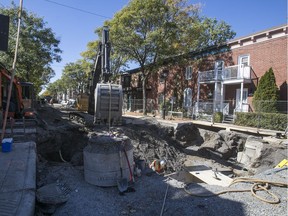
x=228 y=119
x=20 y=130
x=21 y=123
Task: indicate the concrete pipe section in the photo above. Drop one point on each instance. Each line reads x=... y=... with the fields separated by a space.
x=107 y=160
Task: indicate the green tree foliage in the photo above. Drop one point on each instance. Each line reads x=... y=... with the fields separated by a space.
x=53 y=89
x=89 y=56
x=38 y=48
x=149 y=32
x=266 y=96
x=74 y=77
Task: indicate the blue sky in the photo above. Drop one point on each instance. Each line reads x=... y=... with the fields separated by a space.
x=75 y=28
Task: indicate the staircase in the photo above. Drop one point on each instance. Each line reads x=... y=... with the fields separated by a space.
x=21 y=130
x=228 y=119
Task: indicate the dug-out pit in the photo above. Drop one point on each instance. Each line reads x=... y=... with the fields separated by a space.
x=63 y=145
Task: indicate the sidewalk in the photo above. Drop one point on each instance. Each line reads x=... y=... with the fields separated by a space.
x=244 y=129
x=221 y=126
x=18 y=180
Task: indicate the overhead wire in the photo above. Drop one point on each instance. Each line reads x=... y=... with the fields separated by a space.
x=78 y=9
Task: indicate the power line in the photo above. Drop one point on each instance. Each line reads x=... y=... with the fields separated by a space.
x=78 y=9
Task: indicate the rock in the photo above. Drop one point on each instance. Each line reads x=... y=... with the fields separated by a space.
x=206 y=134
x=188 y=135
x=224 y=144
x=261 y=155
x=54 y=193
x=233 y=139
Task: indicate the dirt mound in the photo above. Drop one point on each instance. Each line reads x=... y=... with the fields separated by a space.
x=153 y=142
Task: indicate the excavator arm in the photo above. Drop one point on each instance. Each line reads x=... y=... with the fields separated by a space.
x=105 y=99
x=101 y=70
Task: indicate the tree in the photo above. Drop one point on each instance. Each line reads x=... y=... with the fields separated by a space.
x=55 y=88
x=149 y=32
x=38 y=48
x=267 y=93
x=74 y=77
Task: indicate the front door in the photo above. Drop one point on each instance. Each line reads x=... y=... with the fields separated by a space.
x=242 y=106
x=243 y=66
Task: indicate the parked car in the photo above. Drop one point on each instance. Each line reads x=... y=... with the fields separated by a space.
x=71 y=103
x=64 y=103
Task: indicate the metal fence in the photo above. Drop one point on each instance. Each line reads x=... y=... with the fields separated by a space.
x=136 y=105
x=204 y=110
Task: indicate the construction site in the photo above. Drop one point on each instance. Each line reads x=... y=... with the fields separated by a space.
x=59 y=160
x=209 y=170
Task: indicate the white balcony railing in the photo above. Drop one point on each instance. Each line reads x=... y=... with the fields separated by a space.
x=225 y=109
x=207 y=76
x=228 y=73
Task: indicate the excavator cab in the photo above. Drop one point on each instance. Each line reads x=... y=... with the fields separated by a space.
x=21 y=101
x=28 y=98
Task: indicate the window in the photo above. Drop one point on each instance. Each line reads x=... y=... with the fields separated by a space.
x=244 y=60
x=126 y=81
x=188 y=97
x=188 y=74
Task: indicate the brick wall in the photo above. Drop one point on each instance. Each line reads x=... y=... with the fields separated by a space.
x=263 y=55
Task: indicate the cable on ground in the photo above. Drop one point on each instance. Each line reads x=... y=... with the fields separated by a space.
x=258 y=185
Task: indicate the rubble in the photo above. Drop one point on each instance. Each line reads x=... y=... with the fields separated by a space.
x=224 y=144
x=260 y=155
x=150 y=141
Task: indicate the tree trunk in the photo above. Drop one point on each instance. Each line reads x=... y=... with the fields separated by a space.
x=144 y=94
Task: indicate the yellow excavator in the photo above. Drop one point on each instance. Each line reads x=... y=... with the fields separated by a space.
x=82 y=101
x=105 y=99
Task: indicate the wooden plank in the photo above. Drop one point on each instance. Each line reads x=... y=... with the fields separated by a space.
x=212 y=178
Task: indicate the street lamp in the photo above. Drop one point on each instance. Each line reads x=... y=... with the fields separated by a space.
x=163 y=77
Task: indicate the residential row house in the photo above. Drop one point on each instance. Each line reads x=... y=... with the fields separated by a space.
x=216 y=79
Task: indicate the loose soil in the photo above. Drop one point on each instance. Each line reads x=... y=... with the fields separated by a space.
x=60 y=144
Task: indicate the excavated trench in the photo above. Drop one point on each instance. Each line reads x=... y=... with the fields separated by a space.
x=64 y=141
x=64 y=145
x=61 y=142
x=150 y=142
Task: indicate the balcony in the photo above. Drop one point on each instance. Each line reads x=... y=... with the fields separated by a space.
x=235 y=72
x=208 y=76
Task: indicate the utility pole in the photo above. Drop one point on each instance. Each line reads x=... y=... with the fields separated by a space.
x=13 y=71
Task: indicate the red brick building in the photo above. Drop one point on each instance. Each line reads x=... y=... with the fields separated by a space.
x=219 y=79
